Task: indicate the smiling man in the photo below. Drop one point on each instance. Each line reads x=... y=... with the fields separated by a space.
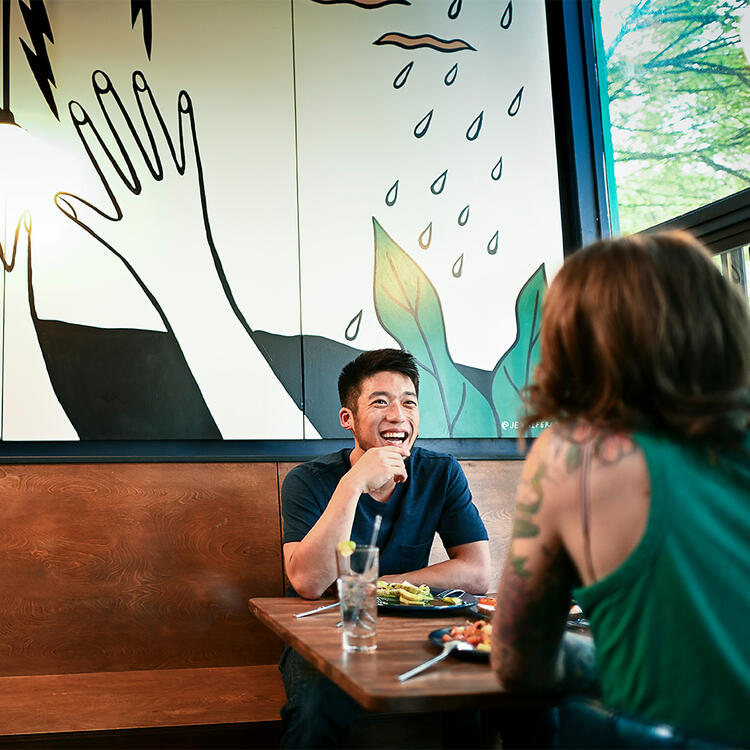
x=334 y=498
x=417 y=492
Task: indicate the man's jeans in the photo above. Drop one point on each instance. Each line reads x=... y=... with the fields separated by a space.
x=317 y=714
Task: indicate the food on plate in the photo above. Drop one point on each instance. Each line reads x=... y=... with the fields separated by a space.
x=575 y=613
x=478 y=634
x=410 y=595
x=486 y=604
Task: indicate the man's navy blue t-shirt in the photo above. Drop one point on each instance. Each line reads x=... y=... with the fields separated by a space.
x=434 y=498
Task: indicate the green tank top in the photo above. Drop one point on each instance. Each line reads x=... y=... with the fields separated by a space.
x=672 y=623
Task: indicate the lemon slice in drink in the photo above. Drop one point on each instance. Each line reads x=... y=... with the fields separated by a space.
x=346 y=548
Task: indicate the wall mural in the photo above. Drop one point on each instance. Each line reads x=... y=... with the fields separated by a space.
x=227 y=205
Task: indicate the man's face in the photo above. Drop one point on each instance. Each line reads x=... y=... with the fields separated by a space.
x=387 y=413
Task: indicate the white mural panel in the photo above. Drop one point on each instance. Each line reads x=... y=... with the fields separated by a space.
x=433 y=119
x=251 y=192
x=114 y=284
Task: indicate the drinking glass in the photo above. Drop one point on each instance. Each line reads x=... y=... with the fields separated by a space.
x=357 y=584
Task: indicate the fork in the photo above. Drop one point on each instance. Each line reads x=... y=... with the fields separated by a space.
x=449 y=592
x=448 y=647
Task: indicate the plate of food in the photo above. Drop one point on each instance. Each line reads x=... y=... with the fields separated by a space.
x=477 y=634
x=407 y=598
x=486 y=605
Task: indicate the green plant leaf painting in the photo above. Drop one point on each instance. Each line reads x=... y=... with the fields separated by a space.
x=515 y=368
x=409 y=309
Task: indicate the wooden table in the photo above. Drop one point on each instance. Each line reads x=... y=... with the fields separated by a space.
x=370 y=678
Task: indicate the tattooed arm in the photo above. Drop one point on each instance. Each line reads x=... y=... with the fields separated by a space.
x=545 y=559
x=534 y=595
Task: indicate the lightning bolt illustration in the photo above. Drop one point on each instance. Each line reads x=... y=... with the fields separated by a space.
x=136 y=8
x=37 y=24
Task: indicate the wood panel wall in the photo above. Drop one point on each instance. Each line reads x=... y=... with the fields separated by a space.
x=114 y=567
x=493 y=485
x=109 y=567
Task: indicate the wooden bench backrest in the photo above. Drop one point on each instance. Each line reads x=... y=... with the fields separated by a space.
x=114 y=567
x=493 y=485
x=110 y=567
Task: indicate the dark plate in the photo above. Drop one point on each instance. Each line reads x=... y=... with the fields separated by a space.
x=436 y=638
x=467 y=601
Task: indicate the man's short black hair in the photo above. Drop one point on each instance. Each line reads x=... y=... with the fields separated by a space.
x=371 y=363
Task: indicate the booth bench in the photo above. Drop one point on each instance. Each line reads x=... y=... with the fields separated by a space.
x=124 y=598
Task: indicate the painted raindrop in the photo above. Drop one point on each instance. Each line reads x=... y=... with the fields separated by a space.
x=352 y=330
x=497 y=170
x=439 y=184
x=515 y=105
x=454 y=9
x=403 y=74
x=507 y=18
x=463 y=217
x=421 y=127
x=492 y=244
x=392 y=194
x=473 y=130
x=426 y=237
x=458 y=267
x=450 y=76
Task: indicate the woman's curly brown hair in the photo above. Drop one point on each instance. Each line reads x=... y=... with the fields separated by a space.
x=643 y=332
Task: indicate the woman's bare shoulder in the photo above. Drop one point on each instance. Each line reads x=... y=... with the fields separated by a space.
x=565 y=443
x=557 y=455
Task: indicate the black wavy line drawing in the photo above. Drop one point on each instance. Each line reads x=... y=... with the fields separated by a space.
x=366 y=4
x=143 y=7
x=37 y=24
x=424 y=40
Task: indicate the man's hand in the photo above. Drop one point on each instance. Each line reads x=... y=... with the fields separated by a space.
x=311 y=564
x=378 y=468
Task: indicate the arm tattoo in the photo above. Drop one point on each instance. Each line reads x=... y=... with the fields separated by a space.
x=609 y=447
x=529 y=624
x=525 y=528
x=535 y=590
x=536 y=489
x=517 y=562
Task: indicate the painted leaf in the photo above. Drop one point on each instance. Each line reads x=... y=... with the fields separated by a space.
x=408 y=307
x=514 y=370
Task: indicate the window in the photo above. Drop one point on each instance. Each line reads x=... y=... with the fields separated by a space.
x=674 y=84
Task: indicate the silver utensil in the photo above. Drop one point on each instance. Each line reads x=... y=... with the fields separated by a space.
x=316 y=611
x=450 y=592
x=448 y=647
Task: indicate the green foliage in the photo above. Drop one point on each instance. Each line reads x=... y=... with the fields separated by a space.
x=514 y=370
x=679 y=105
x=408 y=308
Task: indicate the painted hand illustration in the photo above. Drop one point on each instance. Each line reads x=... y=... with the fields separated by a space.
x=158 y=248
x=157 y=224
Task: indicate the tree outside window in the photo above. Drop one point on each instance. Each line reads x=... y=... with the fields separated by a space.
x=677 y=96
